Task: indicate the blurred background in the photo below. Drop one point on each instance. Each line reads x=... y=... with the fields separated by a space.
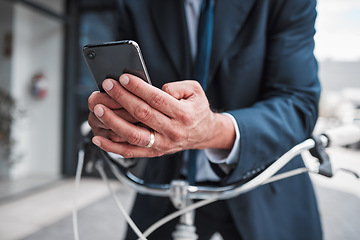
x=44 y=86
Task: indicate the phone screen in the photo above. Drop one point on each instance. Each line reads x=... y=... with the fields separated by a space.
x=110 y=60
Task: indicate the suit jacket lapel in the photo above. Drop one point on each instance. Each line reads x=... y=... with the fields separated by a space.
x=172 y=31
x=171 y=28
x=229 y=17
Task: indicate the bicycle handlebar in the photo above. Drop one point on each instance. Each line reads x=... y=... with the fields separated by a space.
x=340 y=136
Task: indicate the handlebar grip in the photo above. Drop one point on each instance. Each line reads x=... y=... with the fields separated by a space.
x=85 y=128
x=342 y=136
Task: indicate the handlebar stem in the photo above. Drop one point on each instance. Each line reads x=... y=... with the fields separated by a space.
x=179 y=198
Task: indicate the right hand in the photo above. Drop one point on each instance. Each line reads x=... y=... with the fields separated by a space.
x=178 y=114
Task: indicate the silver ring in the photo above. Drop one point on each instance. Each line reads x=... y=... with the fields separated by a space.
x=152 y=139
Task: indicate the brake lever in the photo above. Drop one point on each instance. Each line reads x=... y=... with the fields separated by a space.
x=318 y=151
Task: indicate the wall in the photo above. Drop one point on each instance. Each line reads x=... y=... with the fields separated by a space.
x=38 y=48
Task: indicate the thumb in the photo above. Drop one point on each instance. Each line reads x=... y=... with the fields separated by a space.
x=183 y=89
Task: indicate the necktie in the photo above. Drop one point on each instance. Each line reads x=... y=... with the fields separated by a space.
x=202 y=65
x=204 y=40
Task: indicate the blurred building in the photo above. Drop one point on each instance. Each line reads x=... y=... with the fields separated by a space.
x=340 y=97
x=42 y=70
x=337 y=75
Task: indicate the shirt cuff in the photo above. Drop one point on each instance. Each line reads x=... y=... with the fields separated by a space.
x=220 y=156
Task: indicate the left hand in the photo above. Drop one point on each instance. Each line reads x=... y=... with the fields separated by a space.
x=179 y=114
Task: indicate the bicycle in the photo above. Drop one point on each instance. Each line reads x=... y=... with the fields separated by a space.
x=182 y=194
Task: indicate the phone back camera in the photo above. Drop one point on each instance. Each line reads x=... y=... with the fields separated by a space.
x=91 y=55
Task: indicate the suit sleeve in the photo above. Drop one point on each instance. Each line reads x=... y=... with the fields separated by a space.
x=288 y=109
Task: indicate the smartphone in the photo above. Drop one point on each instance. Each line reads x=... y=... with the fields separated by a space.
x=112 y=59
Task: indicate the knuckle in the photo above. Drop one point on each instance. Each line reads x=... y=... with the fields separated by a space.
x=157 y=100
x=135 y=86
x=186 y=119
x=92 y=120
x=92 y=101
x=197 y=88
x=135 y=138
x=127 y=154
x=92 y=125
x=114 y=137
x=165 y=148
x=196 y=85
x=156 y=153
x=117 y=94
x=142 y=112
x=177 y=136
x=166 y=88
x=96 y=132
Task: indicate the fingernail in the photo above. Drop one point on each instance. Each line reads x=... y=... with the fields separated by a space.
x=96 y=142
x=124 y=79
x=99 y=111
x=108 y=85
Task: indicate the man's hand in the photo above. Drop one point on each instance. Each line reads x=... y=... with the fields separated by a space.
x=179 y=114
x=98 y=128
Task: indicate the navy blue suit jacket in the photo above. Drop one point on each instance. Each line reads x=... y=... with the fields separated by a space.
x=264 y=73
